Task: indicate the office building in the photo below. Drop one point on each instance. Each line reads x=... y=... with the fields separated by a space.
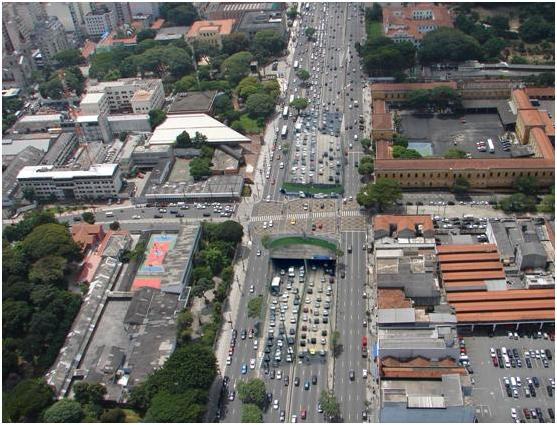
x=99 y=22
x=50 y=37
x=100 y=181
x=122 y=97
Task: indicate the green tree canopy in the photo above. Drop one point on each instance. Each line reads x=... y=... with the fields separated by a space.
x=455 y=154
x=527 y=185
x=303 y=74
x=51 y=239
x=292 y=12
x=229 y=230
x=200 y=168
x=181 y=14
x=67 y=411
x=535 y=29
x=69 y=57
x=268 y=43
x=251 y=414
x=115 y=225
x=330 y=405
x=448 y=45
x=234 y=43
x=260 y=105
x=146 y=34
x=461 y=185
x=404 y=153
x=375 y=13
x=366 y=168
x=236 y=67
x=52 y=88
x=49 y=270
x=518 y=203
x=115 y=415
x=547 y=205
x=15 y=316
x=252 y=391
x=86 y=393
x=248 y=86
x=188 y=406
x=382 y=56
x=185 y=84
x=299 y=103
x=381 y=194
x=156 y=117
x=27 y=401
x=310 y=32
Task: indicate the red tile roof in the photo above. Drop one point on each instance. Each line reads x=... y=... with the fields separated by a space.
x=530 y=117
x=382 y=121
x=521 y=99
x=383 y=149
x=392 y=298
x=481 y=306
x=401 y=222
x=379 y=106
x=486 y=265
x=394 y=87
x=536 y=92
x=474 y=275
x=399 y=20
x=223 y=26
x=514 y=294
x=157 y=25
x=548 y=123
x=458 y=258
x=542 y=141
x=462 y=164
x=460 y=249
x=507 y=316
x=85 y=234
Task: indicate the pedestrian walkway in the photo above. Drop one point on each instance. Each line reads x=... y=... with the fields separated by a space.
x=304 y=216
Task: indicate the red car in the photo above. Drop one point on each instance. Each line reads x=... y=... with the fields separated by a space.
x=303 y=414
x=495 y=362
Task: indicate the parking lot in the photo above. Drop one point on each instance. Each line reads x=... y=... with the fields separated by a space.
x=489 y=392
x=456 y=133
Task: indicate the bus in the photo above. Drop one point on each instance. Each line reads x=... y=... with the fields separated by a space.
x=491 y=146
x=284 y=131
x=285 y=112
x=296 y=64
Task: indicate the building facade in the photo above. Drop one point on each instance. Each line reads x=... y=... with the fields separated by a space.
x=99 y=22
x=100 y=181
x=121 y=94
x=50 y=37
x=210 y=32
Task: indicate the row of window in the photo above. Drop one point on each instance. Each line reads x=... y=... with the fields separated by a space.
x=483 y=175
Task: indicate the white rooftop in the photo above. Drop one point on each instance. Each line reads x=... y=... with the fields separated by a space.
x=87 y=118
x=92 y=98
x=51 y=172
x=13 y=147
x=42 y=117
x=215 y=131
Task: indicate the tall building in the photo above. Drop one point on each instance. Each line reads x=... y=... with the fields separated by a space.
x=131 y=94
x=145 y=8
x=99 y=22
x=121 y=10
x=50 y=37
x=72 y=15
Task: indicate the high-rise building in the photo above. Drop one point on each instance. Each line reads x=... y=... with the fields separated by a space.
x=121 y=10
x=99 y=22
x=50 y=37
x=145 y=8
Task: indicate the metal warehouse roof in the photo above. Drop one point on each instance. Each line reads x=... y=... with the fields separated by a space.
x=457 y=258
x=503 y=305
x=515 y=294
x=461 y=249
x=481 y=275
x=506 y=316
x=487 y=265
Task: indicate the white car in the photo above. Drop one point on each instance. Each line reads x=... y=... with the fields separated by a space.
x=255 y=344
x=270 y=223
x=279 y=374
x=259 y=253
x=364 y=373
x=513 y=412
x=229 y=360
x=251 y=289
x=264 y=224
x=252 y=364
x=136 y=217
x=276 y=404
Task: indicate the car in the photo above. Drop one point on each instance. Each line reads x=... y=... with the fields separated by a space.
x=259 y=253
x=279 y=374
x=364 y=415
x=551 y=413
x=276 y=404
x=293 y=221
x=351 y=375
x=282 y=416
x=232 y=395
x=297 y=381
x=294 y=419
x=252 y=364
x=244 y=369
x=314 y=379
x=251 y=289
x=286 y=380
x=243 y=334
x=536 y=381
x=306 y=385
x=364 y=373
x=229 y=360
x=513 y=412
x=526 y=412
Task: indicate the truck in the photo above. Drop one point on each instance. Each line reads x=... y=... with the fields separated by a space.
x=285 y=112
x=491 y=146
x=298 y=126
x=291 y=99
x=296 y=64
x=364 y=346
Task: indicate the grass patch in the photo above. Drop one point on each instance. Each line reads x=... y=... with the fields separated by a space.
x=374 y=29
x=300 y=240
x=246 y=191
x=131 y=416
x=254 y=306
x=250 y=125
x=312 y=189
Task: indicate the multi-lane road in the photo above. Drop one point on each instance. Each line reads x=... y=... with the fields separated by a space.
x=339 y=85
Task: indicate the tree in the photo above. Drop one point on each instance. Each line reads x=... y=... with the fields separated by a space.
x=335 y=343
x=492 y=47
x=260 y=105
x=156 y=117
x=15 y=316
x=230 y=231
x=382 y=56
x=181 y=14
x=74 y=80
x=27 y=401
x=252 y=391
x=115 y=225
x=236 y=67
x=234 y=43
x=461 y=185
x=17 y=232
x=400 y=140
x=88 y=217
x=528 y=185
x=69 y=57
x=213 y=258
x=52 y=88
x=299 y=103
x=114 y=415
x=86 y=393
x=145 y=34
x=185 y=84
x=199 y=168
x=292 y=12
x=248 y=86
x=254 y=306
x=366 y=168
x=303 y=75
x=381 y=194
x=518 y=202
x=29 y=193
x=547 y=205
x=272 y=88
x=375 y=13
x=448 y=45
x=403 y=153
x=251 y=414
x=184 y=407
x=366 y=143
x=64 y=411
x=535 y=29
x=183 y=140
x=330 y=405
x=49 y=270
x=268 y=43
x=310 y=32
x=455 y=154
x=50 y=239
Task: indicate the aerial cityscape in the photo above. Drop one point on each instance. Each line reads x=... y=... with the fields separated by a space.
x=278 y=212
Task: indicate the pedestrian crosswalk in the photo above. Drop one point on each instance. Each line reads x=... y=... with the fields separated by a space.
x=311 y=215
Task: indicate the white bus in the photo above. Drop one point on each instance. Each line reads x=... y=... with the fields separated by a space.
x=491 y=146
x=285 y=112
x=296 y=64
x=284 y=131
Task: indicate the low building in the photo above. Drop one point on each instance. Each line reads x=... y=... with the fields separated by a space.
x=210 y=32
x=14 y=144
x=223 y=10
x=115 y=39
x=215 y=131
x=37 y=123
x=61 y=150
x=100 y=181
x=120 y=94
x=93 y=128
x=435 y=343
x=126 y=123
x=169 y=34
x=382 y=123
x=87 y=236
x=94 y=103
x=403 y=226
x=411 y=22
x=195 y=102
x=253 y=22
x=149 y=156
x=30 y=156
x=394 y=92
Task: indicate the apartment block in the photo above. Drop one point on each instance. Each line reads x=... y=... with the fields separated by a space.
x=99 y=22
x=131 y=94
x=100 y=181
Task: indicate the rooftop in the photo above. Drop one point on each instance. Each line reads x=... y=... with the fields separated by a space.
x=402 y=21
x=29 y=156
x=394 y=87
x=215 y=131
x=171 y=33
x=195 y=101
x=222 y=26
x=49 y=171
